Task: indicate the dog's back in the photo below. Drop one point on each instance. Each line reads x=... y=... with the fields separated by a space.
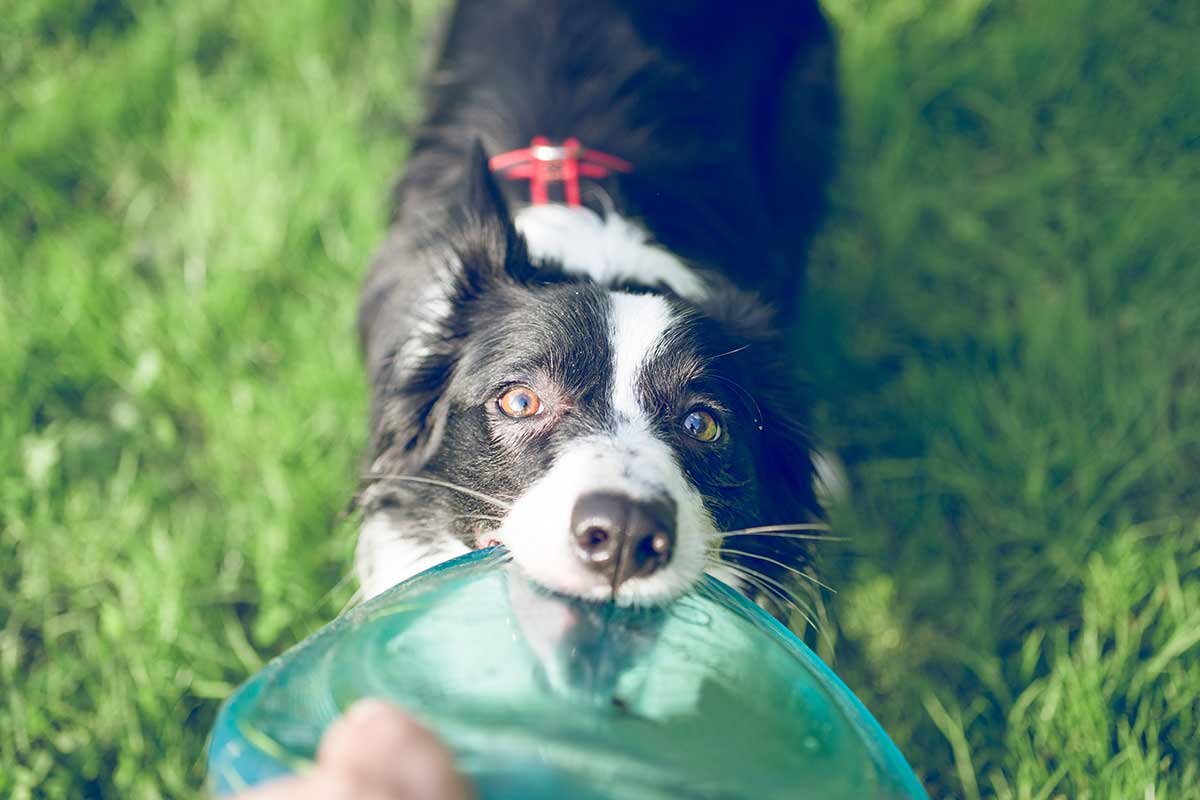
x=728 y=115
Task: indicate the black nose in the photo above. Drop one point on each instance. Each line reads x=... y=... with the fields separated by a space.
x=623 y=538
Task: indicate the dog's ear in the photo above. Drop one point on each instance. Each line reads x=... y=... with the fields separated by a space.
x=487 y=243
x=481 y=194
x=410 y=407
x=408 y=415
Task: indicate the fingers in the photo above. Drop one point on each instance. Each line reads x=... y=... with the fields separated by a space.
x=380 y=746
x=374 y=752
x=320 y=784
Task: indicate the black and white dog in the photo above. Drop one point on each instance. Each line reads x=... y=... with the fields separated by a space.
x=571 y=331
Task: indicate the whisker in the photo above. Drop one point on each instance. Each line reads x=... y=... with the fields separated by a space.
x=337 y=587
x=777 y=563
x=766 y=584
x=354 y=600
x=445 y=484
x=805 y=536
x=743 y=569
x=794 y=526
x=760 y=423
x=732 y=352
x=788 y=597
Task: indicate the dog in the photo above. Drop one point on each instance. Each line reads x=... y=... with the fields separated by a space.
x=573 y=331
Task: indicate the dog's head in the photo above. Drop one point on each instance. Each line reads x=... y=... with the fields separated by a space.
x=608 y=435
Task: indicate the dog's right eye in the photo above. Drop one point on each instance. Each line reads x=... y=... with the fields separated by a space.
x=519 y=402
x=701 y=424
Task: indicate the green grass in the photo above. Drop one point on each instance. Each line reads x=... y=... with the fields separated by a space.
x=1004 y=337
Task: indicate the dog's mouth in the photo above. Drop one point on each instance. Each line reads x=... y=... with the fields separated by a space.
x=485 y=539
x=598 y=545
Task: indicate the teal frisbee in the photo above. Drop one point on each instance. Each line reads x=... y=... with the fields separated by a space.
x=542 y=696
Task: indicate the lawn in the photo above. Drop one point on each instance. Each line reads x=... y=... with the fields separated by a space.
x=1003 y=336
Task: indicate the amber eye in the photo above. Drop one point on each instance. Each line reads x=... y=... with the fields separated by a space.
x=519 y=402
x=702 y=425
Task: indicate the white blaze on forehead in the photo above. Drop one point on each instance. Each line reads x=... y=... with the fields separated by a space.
x=608 y=249
x=629 y=460
x=637 y=325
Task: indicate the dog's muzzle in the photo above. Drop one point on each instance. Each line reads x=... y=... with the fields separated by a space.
x=622 y=538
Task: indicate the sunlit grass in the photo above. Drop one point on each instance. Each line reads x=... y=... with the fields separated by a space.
x=1003 y=335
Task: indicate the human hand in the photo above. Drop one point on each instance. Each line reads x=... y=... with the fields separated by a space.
x=373 y=752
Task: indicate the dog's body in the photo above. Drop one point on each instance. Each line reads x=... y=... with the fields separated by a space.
x=594 y=382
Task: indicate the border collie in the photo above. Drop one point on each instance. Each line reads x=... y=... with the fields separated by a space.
x=572 y=330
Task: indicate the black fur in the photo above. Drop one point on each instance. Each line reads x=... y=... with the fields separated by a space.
x=729 y=115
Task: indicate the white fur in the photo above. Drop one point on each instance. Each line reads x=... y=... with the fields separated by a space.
x=607 y=249
x=730 y=578
x=637 y=323
x=630 y=461
x=387 y=553
x=430 y=311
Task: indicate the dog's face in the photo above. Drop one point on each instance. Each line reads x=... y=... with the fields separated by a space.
x=606 y=436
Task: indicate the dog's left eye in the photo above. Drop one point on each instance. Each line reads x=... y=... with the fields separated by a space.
x=519 y=402
x=701 y=424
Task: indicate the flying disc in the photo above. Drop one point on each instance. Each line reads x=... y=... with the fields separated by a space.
x=542 y=696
